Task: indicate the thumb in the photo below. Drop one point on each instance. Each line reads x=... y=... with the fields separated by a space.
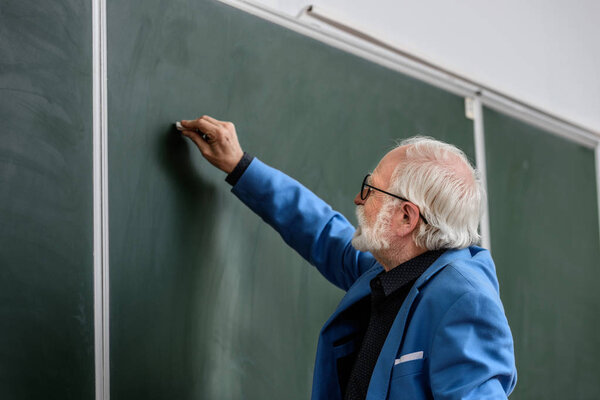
x=197 y=139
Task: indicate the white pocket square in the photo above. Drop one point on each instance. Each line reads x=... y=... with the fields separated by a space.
x=409 y=357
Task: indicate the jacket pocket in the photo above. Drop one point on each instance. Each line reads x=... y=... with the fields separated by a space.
x=407 y=368
x=409 y=381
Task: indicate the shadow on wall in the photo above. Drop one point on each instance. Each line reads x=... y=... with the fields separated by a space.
x=165 y=310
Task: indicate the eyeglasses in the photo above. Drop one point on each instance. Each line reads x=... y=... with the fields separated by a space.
x=365 y=191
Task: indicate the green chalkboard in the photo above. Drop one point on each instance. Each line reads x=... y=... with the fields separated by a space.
x=207 y=302
x=544 y=230
x=46 y=267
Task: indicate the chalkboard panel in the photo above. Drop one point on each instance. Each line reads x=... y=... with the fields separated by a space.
x=206 y=300
x=46 y=268
x=544 y=229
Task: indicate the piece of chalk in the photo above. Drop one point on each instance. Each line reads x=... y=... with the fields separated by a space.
x=179 y=126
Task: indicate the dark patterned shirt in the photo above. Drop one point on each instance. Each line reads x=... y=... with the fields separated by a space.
x=388 y=292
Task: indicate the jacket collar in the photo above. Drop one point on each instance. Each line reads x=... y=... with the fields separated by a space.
x=361 y=287
x=448 y=257
x=406 y=272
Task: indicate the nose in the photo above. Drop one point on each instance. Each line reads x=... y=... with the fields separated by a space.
x=358 y=201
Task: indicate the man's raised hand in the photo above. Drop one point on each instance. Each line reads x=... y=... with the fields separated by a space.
x=217 y=141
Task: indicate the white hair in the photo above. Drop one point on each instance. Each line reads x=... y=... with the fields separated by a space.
x=439 y=179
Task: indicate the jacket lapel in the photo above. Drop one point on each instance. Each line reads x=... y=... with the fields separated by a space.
x=359 y=289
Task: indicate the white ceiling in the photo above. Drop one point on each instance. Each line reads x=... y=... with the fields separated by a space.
x=544 y=53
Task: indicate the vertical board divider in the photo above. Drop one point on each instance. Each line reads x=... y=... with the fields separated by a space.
x=479 y=138
x=597 y=157
x=100 y=202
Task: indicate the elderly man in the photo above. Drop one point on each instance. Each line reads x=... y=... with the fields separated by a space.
x=422 y=317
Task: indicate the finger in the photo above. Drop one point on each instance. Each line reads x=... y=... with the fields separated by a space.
x=196 y=123
x=202 y=125
x=197 y=138
x=224 y=124
x=194 y=135
x=212 y=120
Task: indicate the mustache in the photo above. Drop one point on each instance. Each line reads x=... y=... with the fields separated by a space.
x=360 y=216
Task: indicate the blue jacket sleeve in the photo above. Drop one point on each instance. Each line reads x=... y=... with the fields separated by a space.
x=305 y=222
x=472 y=351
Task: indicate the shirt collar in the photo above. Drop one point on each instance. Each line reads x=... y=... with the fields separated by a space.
x=406 y=272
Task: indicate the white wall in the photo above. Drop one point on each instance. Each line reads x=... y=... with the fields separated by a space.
x=544 y=53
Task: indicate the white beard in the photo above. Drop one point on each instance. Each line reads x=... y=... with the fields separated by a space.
x=373 y=238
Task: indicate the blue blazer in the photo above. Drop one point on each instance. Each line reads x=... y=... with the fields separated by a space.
x=451 y=329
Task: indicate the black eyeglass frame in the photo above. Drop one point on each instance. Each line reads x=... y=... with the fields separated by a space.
x=365 y=196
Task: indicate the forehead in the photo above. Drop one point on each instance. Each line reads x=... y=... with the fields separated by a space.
x=384 y=170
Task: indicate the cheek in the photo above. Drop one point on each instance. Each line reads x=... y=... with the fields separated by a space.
x=371 y=214
x=370 y=219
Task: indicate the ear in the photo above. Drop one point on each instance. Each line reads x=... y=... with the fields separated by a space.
x=406 y=219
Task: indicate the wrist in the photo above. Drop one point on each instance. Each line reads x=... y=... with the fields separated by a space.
x=234 y=162
x=239 y=169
